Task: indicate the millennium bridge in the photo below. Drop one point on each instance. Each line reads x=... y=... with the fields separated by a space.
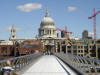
x=56 y=64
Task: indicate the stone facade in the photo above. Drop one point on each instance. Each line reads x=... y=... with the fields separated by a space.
x=87 y=48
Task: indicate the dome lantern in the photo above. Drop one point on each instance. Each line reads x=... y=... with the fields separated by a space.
x=47 y=13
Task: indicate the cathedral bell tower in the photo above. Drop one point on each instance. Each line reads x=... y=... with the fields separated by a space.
x=13 y=33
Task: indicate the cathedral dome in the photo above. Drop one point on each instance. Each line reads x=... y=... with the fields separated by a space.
x=47 y=21
x=47 y=28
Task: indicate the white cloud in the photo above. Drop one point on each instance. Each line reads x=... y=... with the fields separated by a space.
x=91 y=34
x=29 y=7
x=71 y=8
x=17 y=29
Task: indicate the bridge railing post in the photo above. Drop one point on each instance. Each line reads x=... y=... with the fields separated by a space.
x=18 y=63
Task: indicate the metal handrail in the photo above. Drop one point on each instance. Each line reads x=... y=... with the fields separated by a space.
x=81 y=64
x=17 y=63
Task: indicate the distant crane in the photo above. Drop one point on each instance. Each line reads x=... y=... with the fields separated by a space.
x=94 y=17
x=67 y=40
x=65 y=31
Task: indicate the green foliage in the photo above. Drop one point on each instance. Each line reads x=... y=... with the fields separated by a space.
x=4 y=64
x=45 y=49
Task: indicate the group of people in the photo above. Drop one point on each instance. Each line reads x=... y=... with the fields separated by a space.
x=8 y=70
x=48 y=53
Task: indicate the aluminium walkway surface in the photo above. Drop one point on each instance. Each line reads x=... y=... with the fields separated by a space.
x=49 y=65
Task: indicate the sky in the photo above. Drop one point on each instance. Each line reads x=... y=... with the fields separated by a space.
x=26 y=15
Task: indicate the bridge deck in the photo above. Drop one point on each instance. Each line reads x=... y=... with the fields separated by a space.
x=49 y=65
